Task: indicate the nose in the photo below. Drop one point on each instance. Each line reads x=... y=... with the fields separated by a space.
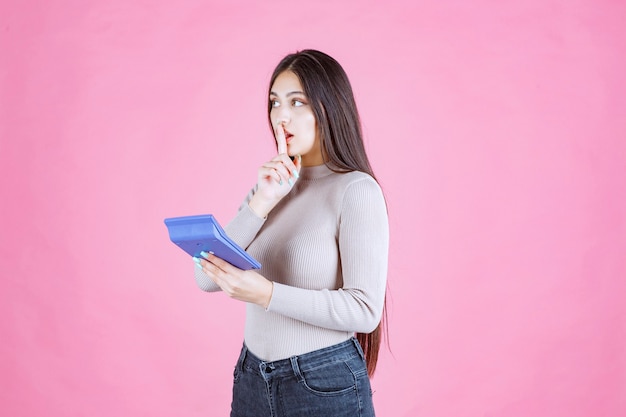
x=282 y=116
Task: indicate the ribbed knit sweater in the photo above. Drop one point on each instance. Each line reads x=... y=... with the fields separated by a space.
x=325 y=247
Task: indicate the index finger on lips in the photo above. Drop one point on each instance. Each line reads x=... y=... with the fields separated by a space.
x=281 y=141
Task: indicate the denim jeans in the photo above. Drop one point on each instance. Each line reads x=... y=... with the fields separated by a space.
x=328 y=382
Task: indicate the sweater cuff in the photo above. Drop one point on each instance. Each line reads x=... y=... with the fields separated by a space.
x=278 y=294
x=289 y=301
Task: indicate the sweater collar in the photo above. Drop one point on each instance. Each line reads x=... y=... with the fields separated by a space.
x=315 y=172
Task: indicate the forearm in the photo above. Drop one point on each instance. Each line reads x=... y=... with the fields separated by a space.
x=348 y=310
x=244 y=227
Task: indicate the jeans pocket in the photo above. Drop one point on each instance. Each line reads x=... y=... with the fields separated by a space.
x=329 y=380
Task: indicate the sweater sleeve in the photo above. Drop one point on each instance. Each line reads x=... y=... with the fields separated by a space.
x=242 y=230
x=363 y=247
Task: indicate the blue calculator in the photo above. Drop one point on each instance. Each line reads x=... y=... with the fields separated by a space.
x=195 y=234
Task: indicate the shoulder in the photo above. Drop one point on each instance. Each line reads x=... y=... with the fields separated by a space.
x=359 y=180
x=362 y=203
x=347 y=179
x=359 y=187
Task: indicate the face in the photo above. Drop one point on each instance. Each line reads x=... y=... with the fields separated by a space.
x=291 y=111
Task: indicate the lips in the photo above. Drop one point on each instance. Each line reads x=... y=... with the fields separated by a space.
x=288 y=136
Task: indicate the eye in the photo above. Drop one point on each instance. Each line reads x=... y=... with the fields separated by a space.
x=298 y=103
x=274 y=103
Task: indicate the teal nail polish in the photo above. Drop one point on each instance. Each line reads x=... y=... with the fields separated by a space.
x=280 y=182
x=204 y=254
x=196 y=260
x=296 y=175
x=290 y=181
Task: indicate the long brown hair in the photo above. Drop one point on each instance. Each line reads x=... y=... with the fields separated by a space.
x=330 y=95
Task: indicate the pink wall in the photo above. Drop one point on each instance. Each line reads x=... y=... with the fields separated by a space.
x=497 y=130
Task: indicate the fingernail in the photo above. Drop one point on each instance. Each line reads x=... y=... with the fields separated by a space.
x=295 y=174
x=280 y=182
x=290 y=181
x=196 y=260
x=204 y=254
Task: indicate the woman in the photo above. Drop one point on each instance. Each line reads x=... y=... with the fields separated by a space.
x=317 y=222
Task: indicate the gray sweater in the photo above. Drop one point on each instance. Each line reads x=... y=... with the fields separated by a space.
x=325 y=247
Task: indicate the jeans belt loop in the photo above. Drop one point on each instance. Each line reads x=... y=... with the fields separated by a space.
x=358 y=347
x=296 y=368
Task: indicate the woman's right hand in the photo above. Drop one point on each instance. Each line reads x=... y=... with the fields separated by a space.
x=275 y=177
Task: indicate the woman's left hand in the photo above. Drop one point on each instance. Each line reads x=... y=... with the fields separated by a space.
x=248 y=286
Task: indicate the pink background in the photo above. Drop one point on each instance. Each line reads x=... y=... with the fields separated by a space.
x=497 y=129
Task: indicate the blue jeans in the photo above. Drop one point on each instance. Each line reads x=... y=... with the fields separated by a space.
x=328 y=382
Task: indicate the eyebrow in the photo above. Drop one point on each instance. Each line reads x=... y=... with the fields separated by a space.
x=291 y=93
